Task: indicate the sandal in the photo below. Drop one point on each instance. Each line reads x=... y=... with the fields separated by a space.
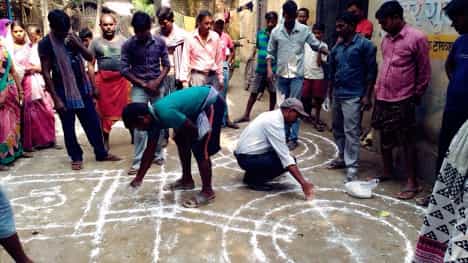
x=408 y=194
x=232 y=125
x=27 y=155
x=336 y=164
x=4 y=168
x=132 y=171
x=198 y=200
x=178 y=185
x=76 y=165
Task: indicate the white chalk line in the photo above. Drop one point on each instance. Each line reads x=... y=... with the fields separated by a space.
x=105 y=206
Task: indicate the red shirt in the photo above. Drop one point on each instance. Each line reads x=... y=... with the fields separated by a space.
x=365 y=28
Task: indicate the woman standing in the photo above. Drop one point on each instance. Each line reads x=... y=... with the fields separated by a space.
x=10 y=111
x=38 y=117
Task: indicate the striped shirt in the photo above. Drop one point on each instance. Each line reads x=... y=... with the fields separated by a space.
x=262 y=45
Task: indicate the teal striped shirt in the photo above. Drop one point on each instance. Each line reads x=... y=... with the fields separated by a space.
x=262 y=45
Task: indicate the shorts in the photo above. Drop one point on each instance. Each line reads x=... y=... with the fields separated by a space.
x=314 y=88
x=7 y=222
x=396 y=122
x=210 y=144
x=260 y=82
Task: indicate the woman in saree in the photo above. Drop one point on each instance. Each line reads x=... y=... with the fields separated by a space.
x=10 y=111
x=38 y=117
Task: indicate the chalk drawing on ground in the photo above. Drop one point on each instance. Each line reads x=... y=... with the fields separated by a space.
x=271 y=224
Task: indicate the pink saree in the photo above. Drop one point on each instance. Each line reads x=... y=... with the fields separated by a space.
x=10 y=114
x=38 y=115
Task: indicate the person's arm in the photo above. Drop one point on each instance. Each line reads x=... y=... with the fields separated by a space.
x=371 y=70
x=232 y=52
x=126 y=67
x=146 y=161
x=76 y=42
x=450 y=63
x=307 y=187
x=154 y=84
x=423 y=65
x=272 y=50
x=92 y=77
x=276 y=136
x=46 y=65
x=219 y=61
x=17 y=80
x=316 y=44
x=185 y=62
x=332 y=73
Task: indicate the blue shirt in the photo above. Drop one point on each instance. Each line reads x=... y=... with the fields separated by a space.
x=457 y=92
x=288 y=49
x=352 y=67
x=144 y=60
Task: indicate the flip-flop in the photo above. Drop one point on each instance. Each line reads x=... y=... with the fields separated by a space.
x=319 y=127
x=132 y=171
x=198 y=200
x=76 y=165
x=177 y=185
x=408 y=194
x=27 y=155
x=4 y=168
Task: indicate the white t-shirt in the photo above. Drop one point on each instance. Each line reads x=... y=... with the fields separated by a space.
x=311 y=69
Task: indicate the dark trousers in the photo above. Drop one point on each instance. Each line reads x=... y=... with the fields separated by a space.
x=90 y=122
x=451 y=123
x=260 y=168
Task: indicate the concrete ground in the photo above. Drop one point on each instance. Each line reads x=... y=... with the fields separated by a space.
x=92 y=215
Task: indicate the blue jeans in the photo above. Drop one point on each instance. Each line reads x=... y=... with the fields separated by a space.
x=225 y=90
x=347 y=129
x=7 y=222
x=291 y=88
x=91 y=124
x=140 y=137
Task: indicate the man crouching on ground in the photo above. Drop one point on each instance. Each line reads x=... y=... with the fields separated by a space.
x=262 y=150
x=195 y=114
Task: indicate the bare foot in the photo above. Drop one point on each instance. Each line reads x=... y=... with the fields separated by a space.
x=136 y=183
x=242 y=119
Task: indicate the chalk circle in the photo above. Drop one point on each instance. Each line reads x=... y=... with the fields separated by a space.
x=322 y=217
x=40 y=199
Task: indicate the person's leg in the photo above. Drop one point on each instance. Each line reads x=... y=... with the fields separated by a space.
x=8 y=237
x=352 y=116
x=91 y=125
x=338 y=127
x=257 y=86
x=72 y=146
x=387 y=159
x=261 y=168
x=14 y=248
x=225 y=91
x=295 y=92
x=185 y=156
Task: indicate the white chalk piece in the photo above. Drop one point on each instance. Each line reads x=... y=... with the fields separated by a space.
x=361 y=189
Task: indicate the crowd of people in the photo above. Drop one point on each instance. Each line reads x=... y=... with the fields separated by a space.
x=179 y=80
